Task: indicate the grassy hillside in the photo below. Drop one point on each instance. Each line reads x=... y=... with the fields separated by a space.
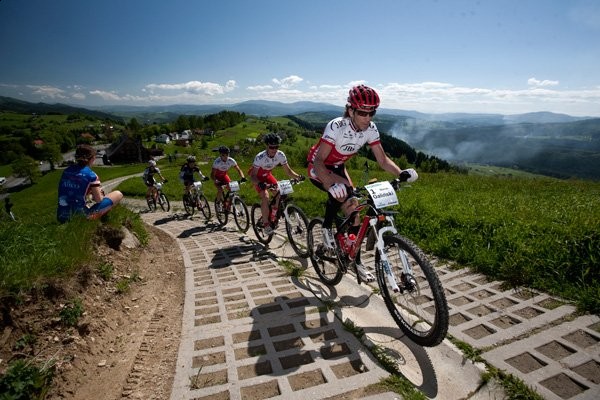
x=525 y=230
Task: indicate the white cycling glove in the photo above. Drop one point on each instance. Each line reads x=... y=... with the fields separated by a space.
x=412 y=175
x=338 y=191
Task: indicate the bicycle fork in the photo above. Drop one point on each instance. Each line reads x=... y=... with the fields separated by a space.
x=385 y=262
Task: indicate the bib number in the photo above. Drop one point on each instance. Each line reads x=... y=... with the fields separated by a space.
x=234 y=186
x=383 y=194
x=285 y=187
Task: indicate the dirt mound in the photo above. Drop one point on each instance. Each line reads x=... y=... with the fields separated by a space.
x=125 y=340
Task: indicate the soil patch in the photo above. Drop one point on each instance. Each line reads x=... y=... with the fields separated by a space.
x=126 y=342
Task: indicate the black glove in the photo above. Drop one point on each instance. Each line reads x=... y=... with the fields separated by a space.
x=262 y=185
x=243 y=180
x=301 y=178
x=165 y=181
x=206 y=178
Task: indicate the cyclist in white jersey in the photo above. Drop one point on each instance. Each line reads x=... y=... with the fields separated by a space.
x=342 y=138
x=220 y=166
x=261 y=173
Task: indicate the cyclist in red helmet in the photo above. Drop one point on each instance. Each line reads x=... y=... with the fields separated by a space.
x=342 y=138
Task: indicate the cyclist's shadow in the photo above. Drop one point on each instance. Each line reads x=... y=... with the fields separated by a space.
x=391 y=339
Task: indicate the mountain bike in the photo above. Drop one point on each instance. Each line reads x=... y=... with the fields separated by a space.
x=280 y=205
x=409 y=285
x=196 y=199
x=232 y=203
x=158 y=197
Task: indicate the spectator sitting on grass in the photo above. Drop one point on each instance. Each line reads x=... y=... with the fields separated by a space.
x=77 y=183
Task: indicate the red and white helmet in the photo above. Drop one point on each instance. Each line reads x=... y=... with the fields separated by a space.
x=363 y=98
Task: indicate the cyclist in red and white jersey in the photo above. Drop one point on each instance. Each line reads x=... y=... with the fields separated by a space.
x=342 y=138
x=220 y=166
x=261 y=173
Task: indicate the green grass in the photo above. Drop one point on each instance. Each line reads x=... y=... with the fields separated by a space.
x=37 y=248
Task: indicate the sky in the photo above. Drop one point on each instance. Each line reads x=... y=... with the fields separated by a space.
x=474 y=56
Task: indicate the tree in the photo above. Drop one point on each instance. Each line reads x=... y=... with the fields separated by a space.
x=26 y=167
x=51 y=153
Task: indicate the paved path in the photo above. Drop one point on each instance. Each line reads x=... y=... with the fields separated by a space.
x=250 y=330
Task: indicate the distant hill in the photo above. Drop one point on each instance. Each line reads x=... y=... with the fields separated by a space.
x=24 y=107
x=542 y=142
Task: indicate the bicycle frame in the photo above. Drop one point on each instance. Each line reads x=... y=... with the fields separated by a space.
x=374 y=221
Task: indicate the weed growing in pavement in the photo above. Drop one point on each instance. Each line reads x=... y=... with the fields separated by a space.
x=401 y=385
x=291 y=268
x=70 y=313
x=351 y=327
x=468 y=351
x=514 y=387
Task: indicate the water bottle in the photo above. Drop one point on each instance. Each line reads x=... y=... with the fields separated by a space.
x=350 y=240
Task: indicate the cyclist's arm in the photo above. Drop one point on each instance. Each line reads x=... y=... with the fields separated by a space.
x=290 y=172
x=213 y=174
x=97 y=194
x=384 y=161
x=239 y=170
x=253 y=176
x=326 y=177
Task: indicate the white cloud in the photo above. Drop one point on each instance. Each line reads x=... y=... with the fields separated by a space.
x=196 y=87
x=48 y=91
x=537 y=82
x=78 y=96
x=259 y=88
x=288 y=82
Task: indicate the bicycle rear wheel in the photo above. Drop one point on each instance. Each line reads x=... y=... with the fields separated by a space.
x=296 y=226
x=326 y=265
x=257 y=225
x=240 y=214
x=419 y=307
x=151 y=204
x=164 y=202
x=220 y=212
x=203 y=206
x=188 y=204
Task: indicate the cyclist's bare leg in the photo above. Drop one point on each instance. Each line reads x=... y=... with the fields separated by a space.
x=264 y=206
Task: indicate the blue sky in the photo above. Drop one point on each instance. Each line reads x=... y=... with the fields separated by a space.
x=492 y=56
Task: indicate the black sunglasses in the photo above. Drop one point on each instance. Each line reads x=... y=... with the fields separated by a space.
x=362 y=113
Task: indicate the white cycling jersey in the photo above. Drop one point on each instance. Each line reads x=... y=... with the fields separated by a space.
x=345 y=141
x=265 y=164
x=224 y=166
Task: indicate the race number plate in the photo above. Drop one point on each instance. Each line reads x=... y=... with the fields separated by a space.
x=234 y=186
x=383 y=194
x=198 y=185
x=285 y=187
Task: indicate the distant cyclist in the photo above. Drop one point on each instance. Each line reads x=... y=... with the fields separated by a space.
x=77 y=183
x=187 y=171
x=261 y=176
x=220 y=166
x=150 y=180
x=342 y=138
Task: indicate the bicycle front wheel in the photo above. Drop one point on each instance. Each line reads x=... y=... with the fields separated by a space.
x=296 y=226
x=164 y=202
x=325 y=264
x=203 y=206
x=257 y=225
x=240 y=214
x=419 y=307
x=221 y=212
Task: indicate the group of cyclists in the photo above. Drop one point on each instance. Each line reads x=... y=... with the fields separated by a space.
x=342 y=138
